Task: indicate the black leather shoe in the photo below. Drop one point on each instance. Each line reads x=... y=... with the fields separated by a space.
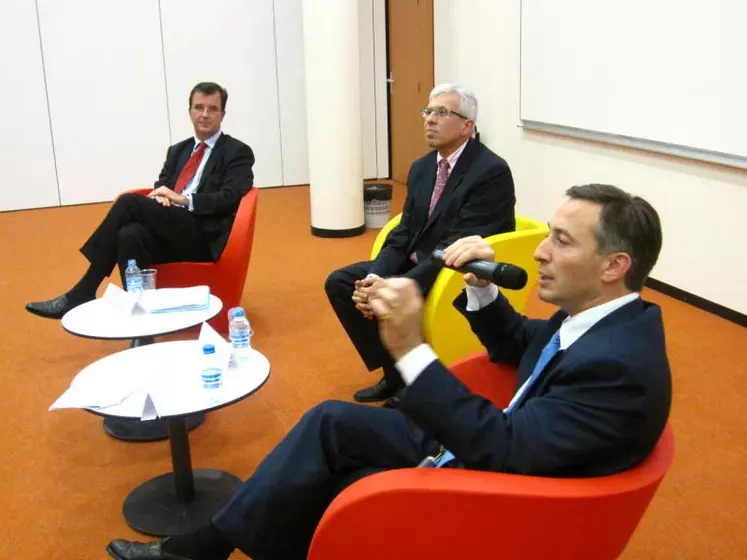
x=133 y=550
x=379 y=392
x=395 y=400
x=51 y=309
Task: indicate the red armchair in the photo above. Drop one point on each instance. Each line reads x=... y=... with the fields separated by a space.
x=456 y=513
x=227 y=276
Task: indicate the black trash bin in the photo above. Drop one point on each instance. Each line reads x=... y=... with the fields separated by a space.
x=377 y=204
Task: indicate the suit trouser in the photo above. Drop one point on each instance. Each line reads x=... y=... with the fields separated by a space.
x=138 y=227
x=275 y=512
x=363 y=333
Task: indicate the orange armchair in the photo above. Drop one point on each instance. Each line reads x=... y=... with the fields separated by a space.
x=227 y=276
x=457 y=513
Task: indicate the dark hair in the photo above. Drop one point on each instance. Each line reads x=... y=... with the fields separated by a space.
x=627 y=224
x=209 y=88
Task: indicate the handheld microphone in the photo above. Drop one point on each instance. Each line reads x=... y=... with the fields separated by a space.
x=501 y=274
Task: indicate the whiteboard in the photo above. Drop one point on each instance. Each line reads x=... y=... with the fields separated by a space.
x=667 y=75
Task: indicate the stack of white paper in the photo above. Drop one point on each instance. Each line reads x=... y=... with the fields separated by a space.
x=129 y=390
x=166 y=300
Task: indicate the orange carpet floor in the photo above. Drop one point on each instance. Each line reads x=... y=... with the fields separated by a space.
x=62 y=480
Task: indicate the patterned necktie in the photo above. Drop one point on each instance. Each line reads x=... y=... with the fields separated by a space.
x=193 y=164
x=441 y=178
x=548 y=353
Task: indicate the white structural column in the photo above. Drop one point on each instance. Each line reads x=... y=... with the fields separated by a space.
x=333 y=116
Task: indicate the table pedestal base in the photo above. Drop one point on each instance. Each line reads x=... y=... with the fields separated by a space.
x=150 y=430
x=152 y=508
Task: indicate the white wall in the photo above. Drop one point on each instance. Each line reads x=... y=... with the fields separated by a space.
x=106 y=89
x=109 y=130
x=240 y=55
x=701 y=205
x=26 y=156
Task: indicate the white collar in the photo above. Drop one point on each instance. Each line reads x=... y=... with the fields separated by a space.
x=210 y=141
x=576 y=326
x=452 y=159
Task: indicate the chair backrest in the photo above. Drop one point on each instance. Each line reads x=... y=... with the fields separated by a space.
x=238 y=250
x=382 y=235
x=445 y=328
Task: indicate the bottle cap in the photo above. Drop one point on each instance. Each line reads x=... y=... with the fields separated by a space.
x=208 y=349
x=131 y=262
x=238 y=313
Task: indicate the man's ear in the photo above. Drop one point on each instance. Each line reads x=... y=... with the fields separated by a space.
x=615 y=267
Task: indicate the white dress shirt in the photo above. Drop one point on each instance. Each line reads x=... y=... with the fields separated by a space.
x=412 y=364
x=192 y=185
x=452 y=159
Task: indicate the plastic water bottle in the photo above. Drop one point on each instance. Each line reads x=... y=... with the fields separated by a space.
x=232 y=313
x=212 y=376
x=240 y=333
x=133 y=278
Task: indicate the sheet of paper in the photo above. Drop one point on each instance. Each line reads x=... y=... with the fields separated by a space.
x=149 y=411
x=97 y=396
x=167 y=300
x=120 y=300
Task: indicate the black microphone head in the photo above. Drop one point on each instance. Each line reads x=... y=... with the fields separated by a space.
x=510 y=277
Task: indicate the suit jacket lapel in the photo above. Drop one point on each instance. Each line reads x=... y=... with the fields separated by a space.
x=214 y=156
x=183 y=157
x=455 y=179
x=424 y=194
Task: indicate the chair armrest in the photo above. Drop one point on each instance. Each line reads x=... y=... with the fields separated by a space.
x=144 y=192
x=445 y=329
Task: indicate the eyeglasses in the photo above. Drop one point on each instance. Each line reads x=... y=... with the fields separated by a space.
x=200 y=108
x=440 y=112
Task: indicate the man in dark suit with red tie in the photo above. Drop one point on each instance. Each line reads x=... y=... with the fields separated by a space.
x=461 y=188
x=188 y=215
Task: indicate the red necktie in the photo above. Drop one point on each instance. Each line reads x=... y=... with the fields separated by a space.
x=193 y=164
x=441 y=178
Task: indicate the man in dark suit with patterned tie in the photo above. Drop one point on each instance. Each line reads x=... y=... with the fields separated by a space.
x=461 y=188
x=188 y=215
x=593 y=388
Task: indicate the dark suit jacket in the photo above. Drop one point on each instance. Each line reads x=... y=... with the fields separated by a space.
x=478 y=200
x=598 y=408
x=226 y=178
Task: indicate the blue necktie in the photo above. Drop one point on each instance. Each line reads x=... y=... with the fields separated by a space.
x=547 y=354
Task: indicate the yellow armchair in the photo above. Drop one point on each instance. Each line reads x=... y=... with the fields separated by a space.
x=446 y=330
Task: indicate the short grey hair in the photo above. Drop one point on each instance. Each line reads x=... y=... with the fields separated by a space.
x=467 y=99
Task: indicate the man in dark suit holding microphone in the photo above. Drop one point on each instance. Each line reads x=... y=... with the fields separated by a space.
x=592 y=399
x=460 y=188
x=188 y=215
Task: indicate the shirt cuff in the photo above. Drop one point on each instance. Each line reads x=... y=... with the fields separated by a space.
x=412 y=364
x=190 y=205
x=477 y=297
